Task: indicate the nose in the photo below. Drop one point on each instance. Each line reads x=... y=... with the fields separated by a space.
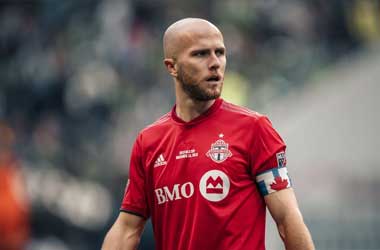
x=214 y=62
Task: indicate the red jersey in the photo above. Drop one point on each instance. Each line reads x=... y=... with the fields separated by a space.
x=202 y=182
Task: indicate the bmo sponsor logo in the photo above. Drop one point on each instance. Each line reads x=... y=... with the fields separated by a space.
x=214 y=186
x=178 y=192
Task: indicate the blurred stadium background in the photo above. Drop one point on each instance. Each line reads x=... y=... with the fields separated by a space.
x=79 y=79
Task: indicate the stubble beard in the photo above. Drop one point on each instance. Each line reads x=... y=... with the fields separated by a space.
x=193 y=90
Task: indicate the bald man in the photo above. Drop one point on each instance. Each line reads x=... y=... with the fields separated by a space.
x=206 y=171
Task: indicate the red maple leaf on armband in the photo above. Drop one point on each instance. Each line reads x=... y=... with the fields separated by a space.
x=279 y=183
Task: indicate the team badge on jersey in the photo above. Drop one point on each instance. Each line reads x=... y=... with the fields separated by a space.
x=219 y=151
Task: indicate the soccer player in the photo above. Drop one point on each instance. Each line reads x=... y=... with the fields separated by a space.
x=206 y=171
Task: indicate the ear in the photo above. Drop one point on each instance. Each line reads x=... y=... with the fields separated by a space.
x=170 y=65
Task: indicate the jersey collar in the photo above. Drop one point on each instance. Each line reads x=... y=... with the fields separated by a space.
x=214 y=107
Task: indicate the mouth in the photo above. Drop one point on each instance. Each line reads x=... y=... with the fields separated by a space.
x=214 y=78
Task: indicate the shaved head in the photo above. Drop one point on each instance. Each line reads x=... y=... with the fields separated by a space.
x=195 y=57
x=180 y=34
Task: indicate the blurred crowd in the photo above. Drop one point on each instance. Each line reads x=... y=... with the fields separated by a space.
x=79 y=79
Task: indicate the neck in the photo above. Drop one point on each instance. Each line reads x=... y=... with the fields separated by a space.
x=188 y=109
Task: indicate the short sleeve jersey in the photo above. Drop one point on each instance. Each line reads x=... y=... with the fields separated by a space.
x=202 y=182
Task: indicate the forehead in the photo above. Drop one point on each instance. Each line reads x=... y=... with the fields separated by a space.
x=208 y=38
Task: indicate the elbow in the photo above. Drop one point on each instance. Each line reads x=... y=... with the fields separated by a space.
x=121 y=240
x=292 y=219
x=132 y=239
x=294 y=232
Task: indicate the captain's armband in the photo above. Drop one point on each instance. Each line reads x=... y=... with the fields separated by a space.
x=273 y=180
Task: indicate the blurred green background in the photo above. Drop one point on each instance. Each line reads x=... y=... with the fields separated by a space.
x=79 y=79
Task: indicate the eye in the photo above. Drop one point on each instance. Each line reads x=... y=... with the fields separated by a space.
x=219 y=52
x=200 y=53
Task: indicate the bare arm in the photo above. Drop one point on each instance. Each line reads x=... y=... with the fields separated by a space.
x=284 y=209
x=125 y=233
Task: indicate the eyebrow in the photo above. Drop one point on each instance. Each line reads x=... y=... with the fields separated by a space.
x=195 y=51
x=206 y=50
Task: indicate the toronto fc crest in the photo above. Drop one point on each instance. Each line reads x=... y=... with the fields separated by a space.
x=219 y=151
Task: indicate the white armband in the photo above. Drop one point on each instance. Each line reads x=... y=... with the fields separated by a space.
x=273 y=180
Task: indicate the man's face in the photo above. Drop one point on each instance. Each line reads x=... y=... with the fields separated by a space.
x=201 y=66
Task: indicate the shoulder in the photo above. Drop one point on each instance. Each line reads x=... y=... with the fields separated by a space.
x=160 y=123
x=240 y=112
x=155 y=129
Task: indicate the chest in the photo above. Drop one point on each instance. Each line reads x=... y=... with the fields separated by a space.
x=207 y=161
